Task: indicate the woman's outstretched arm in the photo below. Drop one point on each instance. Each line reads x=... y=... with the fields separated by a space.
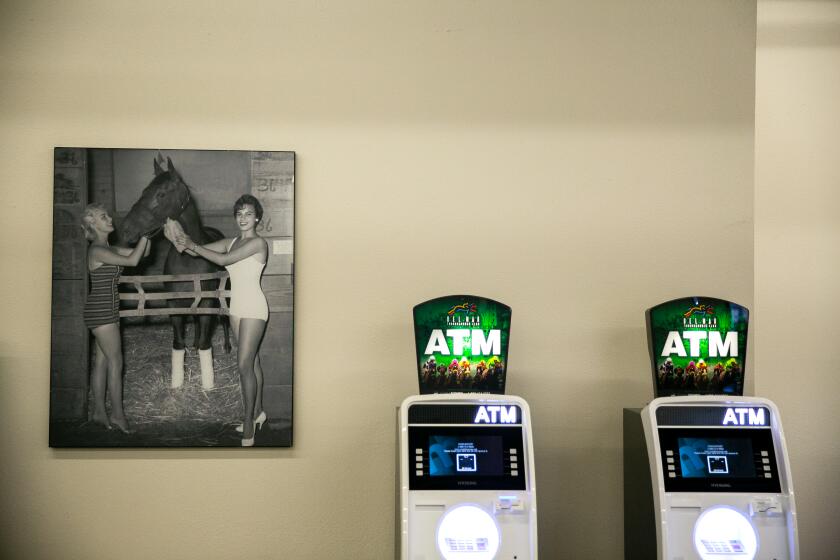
x=126 y=251
x=113 y=255
x=254 y=246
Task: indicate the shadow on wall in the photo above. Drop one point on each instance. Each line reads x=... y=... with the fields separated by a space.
x=784 y=23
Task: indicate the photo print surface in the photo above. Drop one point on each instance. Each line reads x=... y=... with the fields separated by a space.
x=172 y=299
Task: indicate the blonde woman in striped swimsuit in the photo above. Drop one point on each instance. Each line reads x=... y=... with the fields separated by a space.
x=102 y=312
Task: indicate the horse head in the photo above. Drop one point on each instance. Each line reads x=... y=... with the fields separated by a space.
x=165 y=197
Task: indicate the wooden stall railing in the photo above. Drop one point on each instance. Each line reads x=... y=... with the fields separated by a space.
x=141 y=296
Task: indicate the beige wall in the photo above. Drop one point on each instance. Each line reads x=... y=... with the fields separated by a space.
x=579 y=161
x=797 y=249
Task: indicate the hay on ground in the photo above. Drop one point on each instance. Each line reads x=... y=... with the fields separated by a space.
x=147 y=395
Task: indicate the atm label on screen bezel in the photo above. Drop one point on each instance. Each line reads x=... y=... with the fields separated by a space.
x=745 y=416
x=496 y=414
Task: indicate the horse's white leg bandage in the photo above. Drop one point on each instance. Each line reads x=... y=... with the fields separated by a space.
x=177 y=368
x=207 y=373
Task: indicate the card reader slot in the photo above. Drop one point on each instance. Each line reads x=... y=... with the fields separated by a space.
x=429 y=507
x=685 y=505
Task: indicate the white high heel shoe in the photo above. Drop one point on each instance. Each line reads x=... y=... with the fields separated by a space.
x=258 y=422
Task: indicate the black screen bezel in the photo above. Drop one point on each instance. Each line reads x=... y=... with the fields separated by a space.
x=760 y=439
x=418 y=438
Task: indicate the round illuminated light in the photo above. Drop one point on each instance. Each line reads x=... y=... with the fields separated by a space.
x=724 y=533
x=467 y=532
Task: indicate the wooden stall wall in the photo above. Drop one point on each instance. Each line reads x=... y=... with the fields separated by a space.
x=273 y=183
x=69 y=337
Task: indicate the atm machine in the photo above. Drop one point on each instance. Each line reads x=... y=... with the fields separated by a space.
x=465 y=467
x=706 y=471
x=467 y=478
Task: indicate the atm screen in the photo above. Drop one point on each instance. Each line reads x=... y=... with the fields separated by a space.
x=718 y=460
x=451 y=455
x=716 y=457
x=466 y=458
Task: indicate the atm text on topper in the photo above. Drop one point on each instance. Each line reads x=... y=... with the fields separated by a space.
x=479 y=343
x=718 y=345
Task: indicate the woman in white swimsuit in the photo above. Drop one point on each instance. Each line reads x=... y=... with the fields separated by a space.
x=244 y=257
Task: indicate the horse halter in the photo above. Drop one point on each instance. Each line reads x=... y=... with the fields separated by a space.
x=187 y=200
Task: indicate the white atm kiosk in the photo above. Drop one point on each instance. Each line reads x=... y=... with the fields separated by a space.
x=466 y=478
x=717 y=472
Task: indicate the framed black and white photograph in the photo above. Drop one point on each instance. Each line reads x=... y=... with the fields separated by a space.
x=172 y=298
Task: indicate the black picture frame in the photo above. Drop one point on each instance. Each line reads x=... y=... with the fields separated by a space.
x=203 y=410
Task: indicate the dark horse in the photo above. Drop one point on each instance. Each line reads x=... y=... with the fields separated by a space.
x=168 y=196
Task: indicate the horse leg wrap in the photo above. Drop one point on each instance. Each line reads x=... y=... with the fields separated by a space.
x=177 y=368
x=207 y=374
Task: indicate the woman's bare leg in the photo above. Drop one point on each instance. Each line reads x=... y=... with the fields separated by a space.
x=98 y=385
x=108 y=337
x=248 y=334
x=258 y=374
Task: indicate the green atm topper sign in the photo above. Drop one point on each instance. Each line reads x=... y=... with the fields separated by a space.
x=698 y=345
x=462 y=344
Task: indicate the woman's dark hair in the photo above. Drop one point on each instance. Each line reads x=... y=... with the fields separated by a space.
x=248 y=199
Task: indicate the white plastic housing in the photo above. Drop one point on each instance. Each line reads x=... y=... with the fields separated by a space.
x=681 y=517
x=423 y=514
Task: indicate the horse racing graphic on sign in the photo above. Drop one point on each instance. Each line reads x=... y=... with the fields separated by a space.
x=462 y=344
x=172 y=298
x=698 y=345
